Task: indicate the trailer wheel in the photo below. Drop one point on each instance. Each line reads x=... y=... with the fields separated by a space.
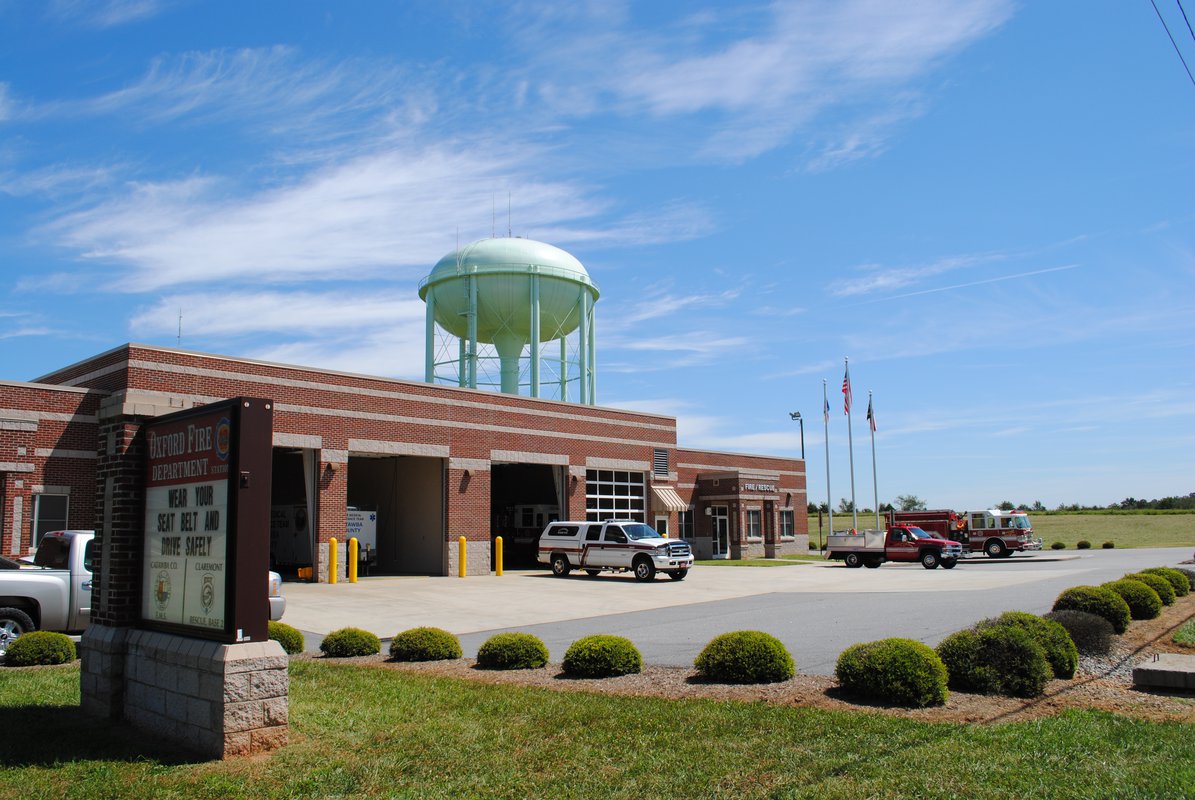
x=13 y=623
x=930 y=560
x=560 y=565
x=995 y=549
x=873 y=562
x=593 y=573
x=949 y=563
x=644 y=569
x=853 y=561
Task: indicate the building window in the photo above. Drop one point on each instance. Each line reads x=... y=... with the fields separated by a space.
x=684 y=524
x=660 y=463
x=786 y=524
x=49 y=514
x=614 y=494
x=754 y=526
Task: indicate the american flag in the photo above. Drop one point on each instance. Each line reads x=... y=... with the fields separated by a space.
x=846 y=392
x=871 y=417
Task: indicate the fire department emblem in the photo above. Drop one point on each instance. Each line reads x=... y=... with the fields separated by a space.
x=223 y=438
x=162 y=590
x=207 y=595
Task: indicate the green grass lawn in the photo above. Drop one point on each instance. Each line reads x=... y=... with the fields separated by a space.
x=360 y=732
x=782 y=561
x=1124 y=530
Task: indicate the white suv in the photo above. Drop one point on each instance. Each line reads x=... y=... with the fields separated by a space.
x=618 y=545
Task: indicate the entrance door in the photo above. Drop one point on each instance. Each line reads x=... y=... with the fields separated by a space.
x=661 y=526
x=721 y=520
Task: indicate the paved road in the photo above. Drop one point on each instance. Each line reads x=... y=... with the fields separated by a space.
x=816 y=609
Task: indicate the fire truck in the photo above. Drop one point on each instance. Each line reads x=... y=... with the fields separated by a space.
x=993 y=531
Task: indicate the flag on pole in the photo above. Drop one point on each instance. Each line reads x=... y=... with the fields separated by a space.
x=846 y=391
x=826 y=401
x=871 y=417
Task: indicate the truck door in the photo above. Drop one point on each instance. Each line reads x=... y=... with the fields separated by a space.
x=901 y=545
x=611 y=549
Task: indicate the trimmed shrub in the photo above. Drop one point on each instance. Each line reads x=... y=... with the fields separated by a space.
x=1178 y=581
x=745 y=657
x=39 y=648
x=1083 y=544
x=1108 y=545
x=289 y=637
x=1091 y=633
x=1060 y=649
x=512 y=651
x=350 y=643
x=1190 y=573
x=1058 y=546
x=1157 y=583
x=602 y=656
x=1143 y=601
x=997 y=660
x=424 y=644
x=900 y=671
x=1099 y=600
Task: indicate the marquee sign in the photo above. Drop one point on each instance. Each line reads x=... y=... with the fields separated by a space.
x=206 y=554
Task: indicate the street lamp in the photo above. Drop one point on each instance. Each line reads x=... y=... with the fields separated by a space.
x=797 y=416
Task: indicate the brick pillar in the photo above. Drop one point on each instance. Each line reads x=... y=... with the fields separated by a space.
x=468 y=515
x=332 y=513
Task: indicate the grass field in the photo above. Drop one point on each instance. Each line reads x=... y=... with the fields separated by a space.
x=360 y=732
x=1124 y=530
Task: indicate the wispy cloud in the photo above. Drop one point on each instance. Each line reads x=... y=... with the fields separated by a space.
x=997 y=279
x=879 y=278
x=104 y=13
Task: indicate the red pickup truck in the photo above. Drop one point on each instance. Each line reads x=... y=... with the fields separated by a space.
x=899 y=543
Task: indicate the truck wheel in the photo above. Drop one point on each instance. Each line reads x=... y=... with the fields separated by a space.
x=678 y=575
x=593 y=573
x=853 y=561
x=930 y=560
x=949 y=563
x=560 y=565
x=995 y=548
x=13 y=623
x=872 y=563
x=644 y=569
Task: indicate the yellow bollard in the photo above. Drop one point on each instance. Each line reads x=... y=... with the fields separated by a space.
x=461 y=557
x=332 y=560
x=498 y=555
x=352 y=556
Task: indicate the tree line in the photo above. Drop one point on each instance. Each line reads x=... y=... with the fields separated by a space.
x=911 y=502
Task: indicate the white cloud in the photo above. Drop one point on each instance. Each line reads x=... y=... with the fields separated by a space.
x=879 y=278
x=105 y=13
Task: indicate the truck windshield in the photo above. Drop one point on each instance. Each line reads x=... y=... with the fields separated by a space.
x=640 y=531
x=1020 y=521
x=918 y=533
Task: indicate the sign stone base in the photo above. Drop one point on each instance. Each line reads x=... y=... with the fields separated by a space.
x=219 y=700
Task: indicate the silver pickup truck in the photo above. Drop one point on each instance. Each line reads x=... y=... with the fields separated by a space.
x=54 y=593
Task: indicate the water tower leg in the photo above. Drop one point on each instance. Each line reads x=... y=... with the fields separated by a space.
x=583 y=342
x=429 y=355
x=462 y=363
x=564 y=368
x=472 y=332
x=534 y=391
x=592 y=355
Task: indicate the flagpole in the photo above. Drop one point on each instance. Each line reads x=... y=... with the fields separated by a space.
x=826 y=419
x=875 y=487
x=850 y=438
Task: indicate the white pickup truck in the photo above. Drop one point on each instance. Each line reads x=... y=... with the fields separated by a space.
x=54 y=592
x=617 y=545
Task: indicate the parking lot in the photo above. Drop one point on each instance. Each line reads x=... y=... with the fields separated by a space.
x=816 y=609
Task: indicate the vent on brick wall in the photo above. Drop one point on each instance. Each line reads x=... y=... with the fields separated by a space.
x=660 y=462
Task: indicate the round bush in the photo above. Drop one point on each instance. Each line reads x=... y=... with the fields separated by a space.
x=1091 y=633
x=1190 y=573
x=745 y=657
x=1108 y=545
x=289 y=637
x=997 y=660
x=39 y=648
x=350 y=643
x=1060 y=649
x=900 y=671
x=512 y=651
x=1083 y=544
x=1098 y=600
x=1058 y=546
x=1157 y=583
x=1178 y=581
x=1143 y=601
x=424 y=644
x=602 y=656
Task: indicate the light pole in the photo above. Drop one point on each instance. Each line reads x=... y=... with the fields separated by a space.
x=797 y=416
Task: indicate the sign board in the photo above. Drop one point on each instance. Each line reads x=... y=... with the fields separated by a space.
x=205 y=562
x=363 y=526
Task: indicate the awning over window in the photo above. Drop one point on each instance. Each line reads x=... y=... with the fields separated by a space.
x=667 y=497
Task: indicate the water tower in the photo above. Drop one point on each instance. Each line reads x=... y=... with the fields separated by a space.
x=510 y=296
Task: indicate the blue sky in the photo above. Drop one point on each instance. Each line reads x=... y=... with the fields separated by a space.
x=987 y=205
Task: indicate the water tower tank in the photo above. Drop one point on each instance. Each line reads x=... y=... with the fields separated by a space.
x=514 y=294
